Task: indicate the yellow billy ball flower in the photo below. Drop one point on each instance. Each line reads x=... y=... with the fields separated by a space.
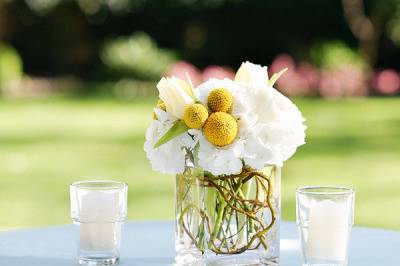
x=219 y=100
x=195 y=115
x=220 y=129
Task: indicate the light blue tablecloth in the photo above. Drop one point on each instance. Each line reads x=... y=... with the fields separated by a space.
x=152 y=244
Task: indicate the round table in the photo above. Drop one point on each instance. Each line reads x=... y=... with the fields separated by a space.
x=152 y=244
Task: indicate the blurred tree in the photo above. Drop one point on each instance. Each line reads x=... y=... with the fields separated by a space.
x=5 y=26
x=52 y=40
x=368 y=25
x=10 y=67
x=57 y=37
x=335 y=54
x=42 y=6
x=137 y=56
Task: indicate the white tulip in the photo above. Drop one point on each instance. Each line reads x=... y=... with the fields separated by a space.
x=176 y=94
x=252 y=74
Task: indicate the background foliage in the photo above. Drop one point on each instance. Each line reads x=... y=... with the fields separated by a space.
x=57 y=37
x=77 y=83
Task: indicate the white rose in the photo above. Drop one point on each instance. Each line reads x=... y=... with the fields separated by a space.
x=252 y=74
x=176 y=94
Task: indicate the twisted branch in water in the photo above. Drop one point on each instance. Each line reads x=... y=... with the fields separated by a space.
x=231 y=202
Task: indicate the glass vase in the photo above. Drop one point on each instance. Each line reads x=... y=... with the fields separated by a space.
x=227 y=220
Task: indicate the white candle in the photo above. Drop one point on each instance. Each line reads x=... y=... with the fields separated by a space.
x=99 y=236
x=328 y=230
x=99 y=211
x=99 y=208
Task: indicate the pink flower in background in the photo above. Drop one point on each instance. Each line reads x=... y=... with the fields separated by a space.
x=310 y=75
x=387 y=82
x=218 y=72
x=348 y=80
x=297 y=80
x=304 y=79
x=280 y=62
x=354 y=80
x=330 y=85
x=289 y=83
x=179 y=70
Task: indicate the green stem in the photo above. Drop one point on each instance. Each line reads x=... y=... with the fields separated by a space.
x=246 y=208
x=211 y=205
x=201 y=236
x=220 y=215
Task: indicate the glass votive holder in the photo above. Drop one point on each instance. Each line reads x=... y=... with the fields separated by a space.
x=325 y=216
x=99 y=208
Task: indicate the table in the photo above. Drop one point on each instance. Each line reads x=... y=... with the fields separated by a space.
x=152 y=244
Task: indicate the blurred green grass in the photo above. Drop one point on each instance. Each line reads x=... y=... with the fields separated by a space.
x=47 y=144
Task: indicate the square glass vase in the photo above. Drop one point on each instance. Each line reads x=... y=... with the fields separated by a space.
x=229 y=219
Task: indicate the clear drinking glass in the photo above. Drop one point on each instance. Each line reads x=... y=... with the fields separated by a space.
x=99 y=208
x=325 y=216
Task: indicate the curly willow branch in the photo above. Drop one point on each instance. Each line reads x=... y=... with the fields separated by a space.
x=233 y=202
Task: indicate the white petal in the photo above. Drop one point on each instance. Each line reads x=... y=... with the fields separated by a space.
x=169 y=158
x=252 y=74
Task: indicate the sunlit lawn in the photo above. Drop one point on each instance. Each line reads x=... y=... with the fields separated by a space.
x=47 y=144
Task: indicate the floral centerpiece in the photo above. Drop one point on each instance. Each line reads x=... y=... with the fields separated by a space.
x=226 y=141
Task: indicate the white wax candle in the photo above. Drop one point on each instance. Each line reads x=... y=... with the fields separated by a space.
x=99 y=216
x=99 y=236
x=328 y=230
x=100 y=205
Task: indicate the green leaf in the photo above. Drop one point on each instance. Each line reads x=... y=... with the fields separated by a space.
x=177 y=129
x=275 y=77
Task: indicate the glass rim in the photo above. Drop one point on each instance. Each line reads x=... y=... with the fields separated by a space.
x=99 y=184
x=325 y=190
